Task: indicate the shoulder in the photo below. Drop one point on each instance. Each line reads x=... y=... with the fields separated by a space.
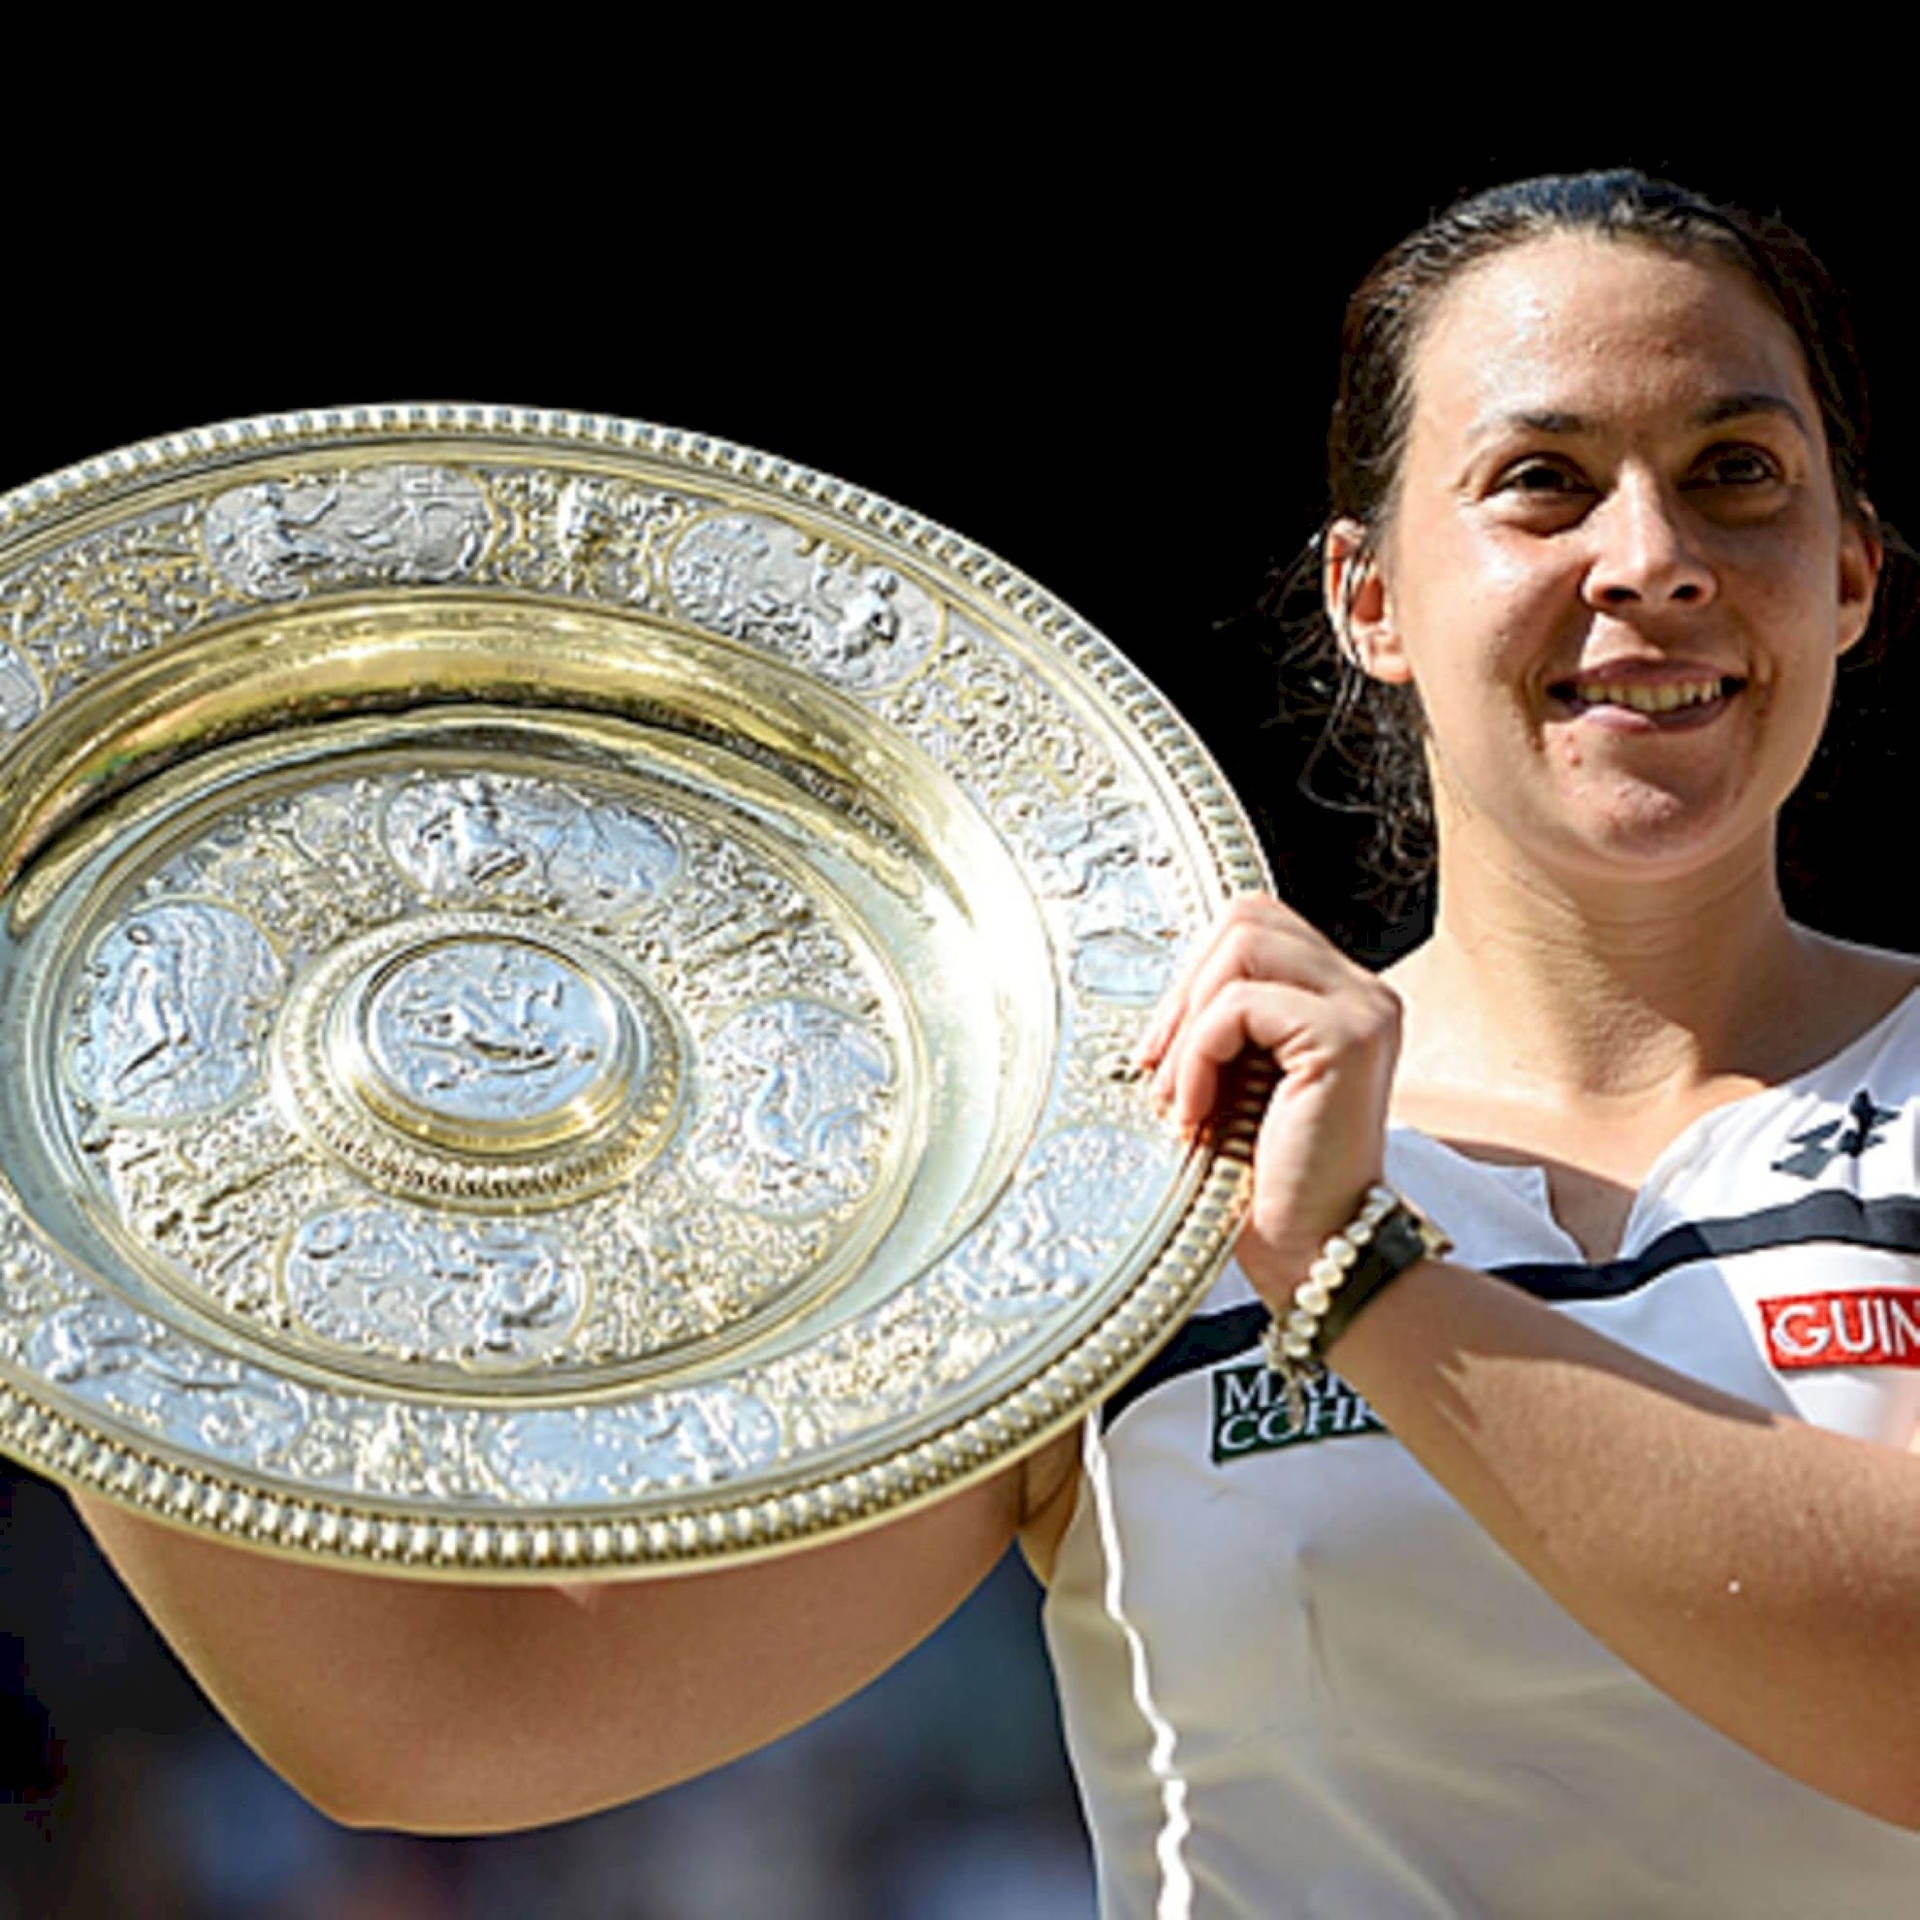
x=1864 y=988
x=1883 y=969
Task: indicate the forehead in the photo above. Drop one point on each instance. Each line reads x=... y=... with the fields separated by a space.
x=1613 y=331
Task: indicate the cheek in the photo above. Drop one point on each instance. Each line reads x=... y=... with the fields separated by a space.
x=1795 y=620
x=1486 y=607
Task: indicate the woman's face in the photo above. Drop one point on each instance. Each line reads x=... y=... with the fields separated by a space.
x=1617 y=571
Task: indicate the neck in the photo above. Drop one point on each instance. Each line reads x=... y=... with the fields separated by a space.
x=1613 y=991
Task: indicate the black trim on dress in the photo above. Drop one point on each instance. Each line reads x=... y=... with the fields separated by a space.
x=1893 y=1225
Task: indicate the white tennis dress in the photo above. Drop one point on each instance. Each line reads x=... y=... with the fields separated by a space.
x=1297 y=1679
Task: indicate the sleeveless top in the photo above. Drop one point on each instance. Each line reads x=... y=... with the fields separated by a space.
x=1298 y=1679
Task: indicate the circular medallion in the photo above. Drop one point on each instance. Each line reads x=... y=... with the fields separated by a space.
x=174 y=999
x=487 y=1036
x=566 y=996
x=463 y=1056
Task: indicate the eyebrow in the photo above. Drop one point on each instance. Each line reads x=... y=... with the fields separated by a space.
x=1736 y=405
x=1730 y=406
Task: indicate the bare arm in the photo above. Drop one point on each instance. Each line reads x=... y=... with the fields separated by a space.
x=1763 y=1572
x=458 y=1709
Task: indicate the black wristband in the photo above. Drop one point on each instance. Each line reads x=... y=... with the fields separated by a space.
x=1402 y=1240
x=1379 y=1244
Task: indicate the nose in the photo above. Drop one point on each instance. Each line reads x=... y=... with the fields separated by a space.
x=1645 y=552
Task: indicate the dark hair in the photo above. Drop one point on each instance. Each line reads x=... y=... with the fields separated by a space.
x=1374 y=732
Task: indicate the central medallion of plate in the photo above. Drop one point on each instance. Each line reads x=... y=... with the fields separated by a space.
x=485 y=1040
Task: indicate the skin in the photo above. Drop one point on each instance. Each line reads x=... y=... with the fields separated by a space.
x=1611 y=959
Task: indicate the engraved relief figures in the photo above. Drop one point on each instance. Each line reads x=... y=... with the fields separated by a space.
x=548 y=963
x=75 y=609
x=855 y=623
x=1100 y=856
x=595 y=535
x=601 y=532
x=174 y=1011
x=489 y=1030
x=410 y=1286
x=801 y=1093
x=1081 y=1193
x=397 y=524
x=117 y=1358
x=509 y=838
x=707 y=1435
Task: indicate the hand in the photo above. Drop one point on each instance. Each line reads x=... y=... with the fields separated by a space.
x=1266 y=980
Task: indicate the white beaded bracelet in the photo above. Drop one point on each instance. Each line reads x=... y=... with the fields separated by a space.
x=1382 y=1241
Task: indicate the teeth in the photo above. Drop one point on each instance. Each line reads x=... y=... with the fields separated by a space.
x=1665 y=698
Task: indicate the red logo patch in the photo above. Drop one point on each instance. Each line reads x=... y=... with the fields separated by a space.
x=1876 y=1327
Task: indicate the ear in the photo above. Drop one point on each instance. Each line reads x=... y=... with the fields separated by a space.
x=1359 y=605
x=1862 y=553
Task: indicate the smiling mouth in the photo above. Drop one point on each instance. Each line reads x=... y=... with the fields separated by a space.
x=1645 y=697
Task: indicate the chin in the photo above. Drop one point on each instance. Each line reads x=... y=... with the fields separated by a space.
x=1609 y=832
x=1654 y=846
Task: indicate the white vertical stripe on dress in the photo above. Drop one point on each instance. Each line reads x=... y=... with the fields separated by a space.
x=1175 y=1901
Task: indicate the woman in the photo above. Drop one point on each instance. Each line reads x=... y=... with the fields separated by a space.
x=1599 y=1625
x=1613 y=538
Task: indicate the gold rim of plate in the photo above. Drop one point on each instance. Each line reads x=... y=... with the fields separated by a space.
x=567 y=995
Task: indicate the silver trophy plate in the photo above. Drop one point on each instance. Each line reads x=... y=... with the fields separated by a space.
x=567 y=993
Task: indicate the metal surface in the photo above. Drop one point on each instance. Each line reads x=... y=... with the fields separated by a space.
x=565 y=995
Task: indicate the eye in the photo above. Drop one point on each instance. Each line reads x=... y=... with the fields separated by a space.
x=1735 y=466
x=1538 y=477
x=1542 y=492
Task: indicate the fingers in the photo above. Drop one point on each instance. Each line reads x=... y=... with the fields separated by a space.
x=1257 y=938
x=1173 y=1003
x=1265 y=981
x=1220 y=1027
x=1305 y=1030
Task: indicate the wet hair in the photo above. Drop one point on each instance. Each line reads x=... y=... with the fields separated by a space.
x=1372 y=740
